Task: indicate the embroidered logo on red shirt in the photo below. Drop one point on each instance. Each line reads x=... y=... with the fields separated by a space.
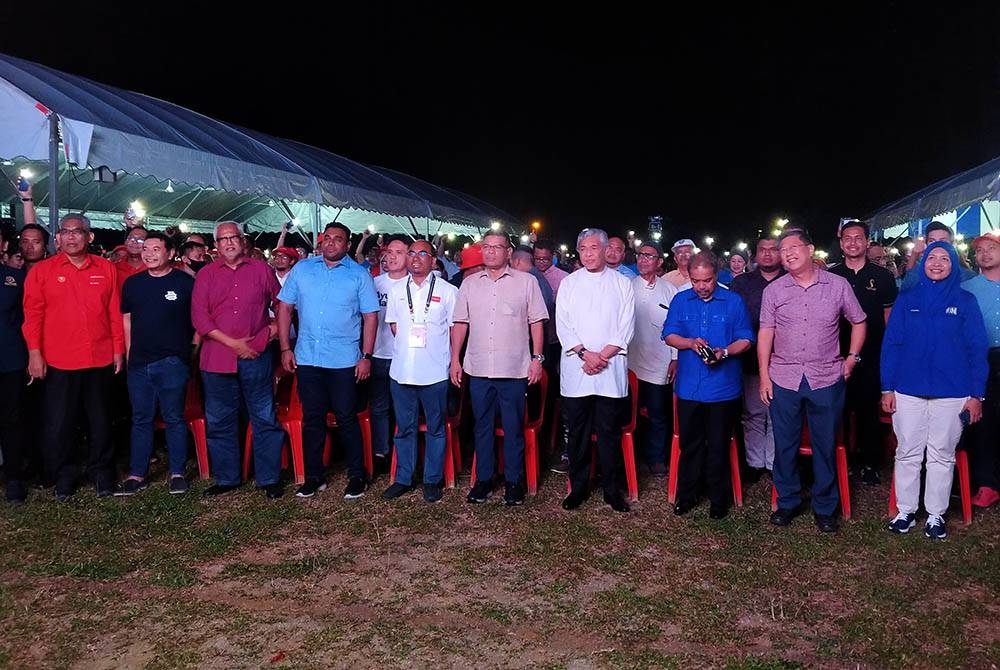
x=60 y=278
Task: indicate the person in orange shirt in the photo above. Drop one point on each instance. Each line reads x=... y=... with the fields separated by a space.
x=132 y=263
x=74 y=333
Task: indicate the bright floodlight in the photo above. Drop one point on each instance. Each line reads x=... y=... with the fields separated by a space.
x=781 y=223
x=525 y=239
x=657 y=235
x=709 y=241
x=26 y=173
x=742 y=246
x=138 y=211
x=535 y=225
x=563 y=248
x=451 y=236
x=371 y=227
x=637 y=243
x=495 y=225
x=184 y=227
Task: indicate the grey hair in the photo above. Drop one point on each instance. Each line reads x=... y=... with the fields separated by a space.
x=76 y=217
x=215 y=234
x=592 y=232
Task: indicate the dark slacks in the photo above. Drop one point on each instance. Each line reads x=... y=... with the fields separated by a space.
x=705 y=431
x=65 y=391
x=380 y=399
x=325 y=390
x=508 y=397
x=12 y=385
x=984 y=436
x=822 y=408
x=658 y=401
x=863 y=394
x=600 y=415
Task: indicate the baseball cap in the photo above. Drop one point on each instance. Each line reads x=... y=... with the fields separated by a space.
x=472 y=256
x=986 y=237
x=685 y=242
x=288 y=251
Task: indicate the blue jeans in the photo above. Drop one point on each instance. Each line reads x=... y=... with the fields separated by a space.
x=408 y=399
x=322 y=390
x=658 y=401
x=380 y=399
x=822 y=408
x=162 y=382
x=252 y=380
x=508 y=396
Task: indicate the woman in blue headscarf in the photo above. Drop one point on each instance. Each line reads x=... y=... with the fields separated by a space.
x=934 y=370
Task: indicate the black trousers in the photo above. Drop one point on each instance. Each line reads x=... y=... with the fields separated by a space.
x=862 y=398
x=983 y=438
x=12 y=385
x=601 y=415
x=65 y=391
x=705 y=431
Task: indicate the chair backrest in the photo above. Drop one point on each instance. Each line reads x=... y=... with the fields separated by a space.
x=633 y=397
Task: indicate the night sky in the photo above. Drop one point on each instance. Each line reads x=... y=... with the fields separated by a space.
x=719 y=122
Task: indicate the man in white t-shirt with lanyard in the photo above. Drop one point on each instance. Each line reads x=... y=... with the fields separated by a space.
x=394 y=261
x=652 y=361
x=420 y=311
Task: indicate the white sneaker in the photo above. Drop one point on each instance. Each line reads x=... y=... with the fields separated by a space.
x=935 y=527
x=903 y=522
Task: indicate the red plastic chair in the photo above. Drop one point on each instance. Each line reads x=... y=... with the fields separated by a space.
x=452 y=441
x=532 y=425
x=675 y=461
x=964 y=487
x=843 y=485
x=628 y=443
x=194 y=415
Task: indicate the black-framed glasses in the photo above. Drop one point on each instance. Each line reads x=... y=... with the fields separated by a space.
x=423 y=253
x=647 y=256
x=229 y=238
x=73 y=232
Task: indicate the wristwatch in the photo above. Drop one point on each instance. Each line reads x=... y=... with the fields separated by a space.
x=367 y=357
x=857 y=357
x=538 y=357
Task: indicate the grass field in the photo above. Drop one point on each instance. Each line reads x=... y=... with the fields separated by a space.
x=161 y=582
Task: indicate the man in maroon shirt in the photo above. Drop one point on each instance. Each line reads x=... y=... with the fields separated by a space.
x=73 y=329
x=802 y=373
x=229 y=309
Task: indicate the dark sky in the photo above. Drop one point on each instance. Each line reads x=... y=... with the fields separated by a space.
x=720 y=122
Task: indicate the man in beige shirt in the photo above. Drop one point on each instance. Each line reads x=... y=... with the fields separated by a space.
x=499 y=308
x=682 y=251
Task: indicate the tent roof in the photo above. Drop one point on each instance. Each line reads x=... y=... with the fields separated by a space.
x=963 y=189
x=105 y=126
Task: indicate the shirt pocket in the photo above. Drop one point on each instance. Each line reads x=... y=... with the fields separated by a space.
x=507 y=309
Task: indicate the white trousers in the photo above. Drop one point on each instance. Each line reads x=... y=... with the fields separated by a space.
x=757 y=433
x=930 y=424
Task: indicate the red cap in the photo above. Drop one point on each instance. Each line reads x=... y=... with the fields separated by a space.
x=472 y=256
x=986 y=237
x=288 y=251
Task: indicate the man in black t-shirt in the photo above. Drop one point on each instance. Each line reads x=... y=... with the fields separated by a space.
x=13 y=364
x=875 y=288
x=156 y=306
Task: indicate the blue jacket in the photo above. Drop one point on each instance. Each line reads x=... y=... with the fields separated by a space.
x=935 y=343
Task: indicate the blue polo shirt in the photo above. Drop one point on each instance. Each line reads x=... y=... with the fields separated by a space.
x=988 y=296
x=720 y=321
x=330 y=302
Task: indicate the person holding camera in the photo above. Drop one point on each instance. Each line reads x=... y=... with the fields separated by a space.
x=709 y=326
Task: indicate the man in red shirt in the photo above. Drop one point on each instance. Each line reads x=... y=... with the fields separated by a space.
x=132 y=263
x=73 y=329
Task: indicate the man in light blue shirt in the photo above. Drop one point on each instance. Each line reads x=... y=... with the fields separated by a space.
x=614 y=255
x=338 y=308
x=985 y=446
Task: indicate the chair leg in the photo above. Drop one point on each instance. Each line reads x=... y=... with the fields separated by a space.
x=247 y=453
x=531 y=461
x=964 y=486
x=842 y=478
x=197 y=427
x=294 y=430
x=472 y=477
x=366 y=445
x=631 y=476
x=774 y=498
x=734 y=468
x=675 y=461
x=456 y=445
x=449 y=460
x=893 y=510
x=392 y=465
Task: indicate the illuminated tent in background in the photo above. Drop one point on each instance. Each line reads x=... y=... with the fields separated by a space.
x=189 y=169
x=968 y=202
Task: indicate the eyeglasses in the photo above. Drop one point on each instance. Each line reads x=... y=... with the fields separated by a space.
x=791 y=249
x=646 y=256
x=137 y=240
x=423 y=253
x=73 y=232
x=495 y=247
x=229 y=238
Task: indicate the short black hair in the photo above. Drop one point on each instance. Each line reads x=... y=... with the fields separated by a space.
x=42 y=229
x=855 y=223
x=167 y=240
x=704 y=259
x=338 y=226
x=548 y=245
x=937 y=225
x=652 y=244
x=800 y=233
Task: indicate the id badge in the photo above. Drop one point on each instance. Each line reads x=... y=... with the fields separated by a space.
x=418 y=337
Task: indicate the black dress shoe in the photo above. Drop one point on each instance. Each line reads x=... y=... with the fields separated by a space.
x=273 y=491
x=574 y=500
x=616 y=501
x=720 y=512
x=219 y=489
x=684 y=506
x=826 y=523
x=783 y=516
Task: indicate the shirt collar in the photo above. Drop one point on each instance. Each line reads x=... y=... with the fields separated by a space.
x=221 y=262
x=718 y=294
x=64 y=260
x=485 y=273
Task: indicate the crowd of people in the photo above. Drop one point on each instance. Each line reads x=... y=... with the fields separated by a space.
x=757 y=347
